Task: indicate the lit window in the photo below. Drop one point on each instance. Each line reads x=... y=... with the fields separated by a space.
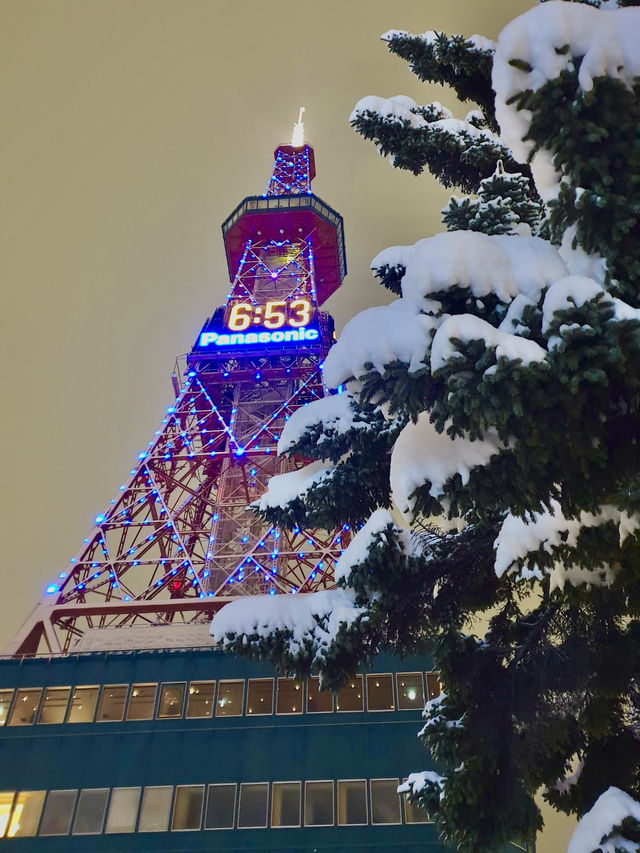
x=156 y=806
x=6 y=801
x=290 y=696
x=187 y=807
x=252 y=813
x=350 y=698
x=123 y=810
x=380 y=693
x=221 y=805
x=260 y=696
x=413 y=813
x=318 y=701
x=54 y=705
x=410 y=690
x=200 y=699
x=285 y=804
x=92 y=805
x=5 y=702
x=171 y=701
x=434 y=687
x=385 y=801
x=230 y=695
x=25 y=706
x=26 y=814
x=142 y=701
x=83 y=704
x=112 y=702
x=58 y=810
x=318 y=803
x=352 y=802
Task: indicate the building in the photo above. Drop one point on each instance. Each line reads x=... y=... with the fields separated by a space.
x=122 y=727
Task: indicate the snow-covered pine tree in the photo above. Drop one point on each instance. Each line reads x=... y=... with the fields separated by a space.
x=494 y=407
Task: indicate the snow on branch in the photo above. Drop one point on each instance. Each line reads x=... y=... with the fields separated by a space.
x=378 y=337
x=593 y=833
x=519 y=540
x=334 y=413
x=547 y=40
x=284 y=488
x=358 y=549
x=423 y=455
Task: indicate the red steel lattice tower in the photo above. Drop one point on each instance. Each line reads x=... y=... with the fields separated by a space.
x=178 y=542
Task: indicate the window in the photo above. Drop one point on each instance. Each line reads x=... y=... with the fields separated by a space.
x=350 y=698
x=142 y=701
x=221 y=805
x=56 y=819
x=434 y=688
x=413 y=813
x=260 y=696
x=54 y=705
x=290 y=696
x=285 y=804
x=112 y=703
x=200 y=700
x=156 y=806
x=6 y=801
x=25 y=707
x=123 y=810
x=26 y=814
x=380 y=693
x=230 y=695
x=83 y=704
x=410 y=690
x=318 y=803
x=318 y=700
x=187 y=808
x=5 y=701
x=90 y=813
x=171 y=701
x=385 y=801
x=253 y=805
x=352 y=802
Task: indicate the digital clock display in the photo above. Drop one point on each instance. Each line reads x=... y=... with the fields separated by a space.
x=277 y=322
x=275 y=314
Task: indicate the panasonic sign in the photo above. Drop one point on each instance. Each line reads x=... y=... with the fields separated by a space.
x=208 y=339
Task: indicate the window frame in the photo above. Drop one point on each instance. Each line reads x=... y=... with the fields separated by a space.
x=39 y=721
x=330 y=692
x=421 y=703
x=180 y=716
x=405 y=804
x=75 y=687
x=214 y=694
x=334 y=811
x=172 y=828
x=393 y=707
x=73 y=791
x=125 y=704
x=137 y=788
x=141 y=806
x=297 y=782
x=36 y=713
x=352 y=710
x=396 y=780
x=267 y=810
x=134 y=685
x=273 y=701
x=12 y=691
x=77 y=809
x=302 y=698
x=234 y=809
x=216 y=700
x=366 y=802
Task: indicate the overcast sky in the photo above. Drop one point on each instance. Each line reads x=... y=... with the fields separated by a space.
x=130 y=129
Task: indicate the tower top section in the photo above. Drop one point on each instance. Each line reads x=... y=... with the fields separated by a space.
x=287 y=212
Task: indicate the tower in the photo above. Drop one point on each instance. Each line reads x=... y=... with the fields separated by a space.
x=178 y=541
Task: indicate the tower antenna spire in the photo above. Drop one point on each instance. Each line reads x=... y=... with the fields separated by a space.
x=297 y=137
